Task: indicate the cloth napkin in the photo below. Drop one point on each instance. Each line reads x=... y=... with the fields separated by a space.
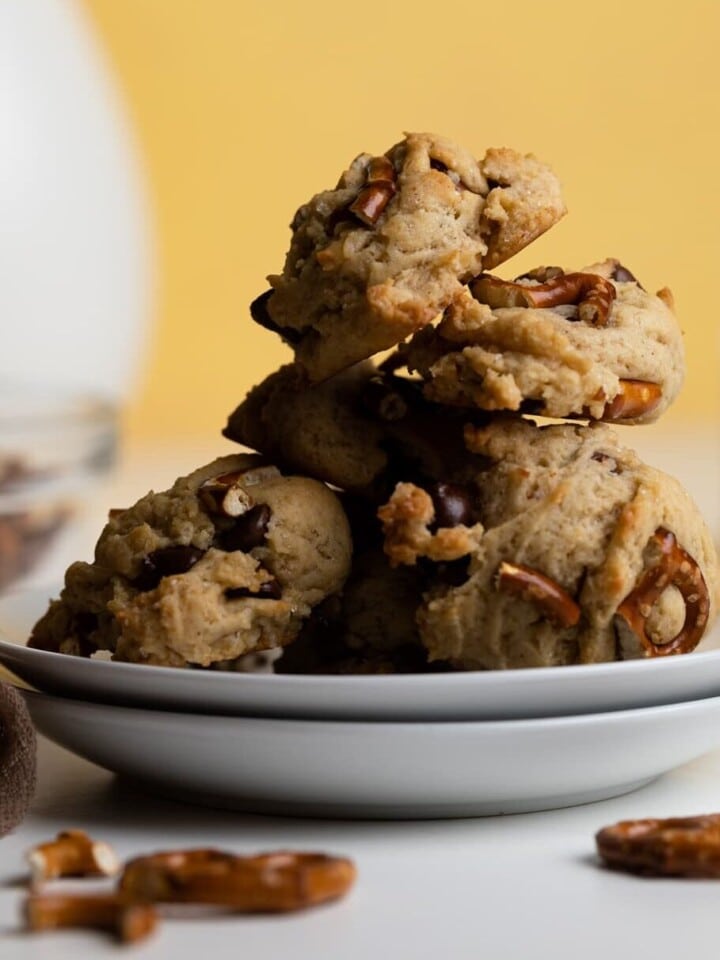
x=17 y=758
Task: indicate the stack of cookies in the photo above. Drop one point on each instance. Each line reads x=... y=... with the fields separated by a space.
x=461 y=533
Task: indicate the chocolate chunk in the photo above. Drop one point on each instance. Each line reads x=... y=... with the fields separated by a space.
x=260 y=314
x=165 y=563
x=270 y=590
x=453 y=505
x=248 y=531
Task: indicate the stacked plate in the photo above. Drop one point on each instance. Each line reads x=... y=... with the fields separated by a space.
x=431 y=745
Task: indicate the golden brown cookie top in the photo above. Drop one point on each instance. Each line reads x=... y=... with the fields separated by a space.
x=228 y=561
x=381 y=254
x=588 y=344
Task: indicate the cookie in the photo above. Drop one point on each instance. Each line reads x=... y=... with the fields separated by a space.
x=370 y=627
x=362 y=430
x=580 y=554
x=592 y=344
x=383 y=253
x=227 y=562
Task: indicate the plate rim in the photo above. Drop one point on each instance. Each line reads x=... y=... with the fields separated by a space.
x=611 y=717
x=531 y=674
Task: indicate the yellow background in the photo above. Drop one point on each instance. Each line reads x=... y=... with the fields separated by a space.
x=245 y=109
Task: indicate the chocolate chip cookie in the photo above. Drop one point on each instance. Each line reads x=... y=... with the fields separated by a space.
x=581 y=554
x=370 y=627
x=362 y=430
x=591 y=344
x=383 y=253
x=227 y=562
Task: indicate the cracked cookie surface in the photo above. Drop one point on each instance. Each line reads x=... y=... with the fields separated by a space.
x=383 y=253
x=571 y=528
x=624 y=365
x=227 y=562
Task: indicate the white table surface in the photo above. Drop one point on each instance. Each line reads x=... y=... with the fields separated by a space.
x=503 y=888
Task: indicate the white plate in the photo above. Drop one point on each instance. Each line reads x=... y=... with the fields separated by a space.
x=397 y=770
x=496 y=695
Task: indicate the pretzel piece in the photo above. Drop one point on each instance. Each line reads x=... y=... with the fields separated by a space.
x=549 y=597
x=72 y=854
x=673 y=567
x=266 y=883
x=635 y=398
x=674 y=847
x=378 y=191
x=593 y=294
x=128 y=919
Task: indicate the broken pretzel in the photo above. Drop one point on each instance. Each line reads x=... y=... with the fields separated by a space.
x=378 y=191
x=555 y=603
x=673 y=847
x=635 y=398
x=72 y=854
x=227 y=495
x=673 y=566
x=267 y=883
x=127 y=918
x=594 y=295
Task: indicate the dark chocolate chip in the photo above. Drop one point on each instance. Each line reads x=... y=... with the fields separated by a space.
x=260 y=314
x=248 y=531
x=270 y=590
x=165 y=563
x=453 y=505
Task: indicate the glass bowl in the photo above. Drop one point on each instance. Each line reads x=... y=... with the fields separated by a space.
x=54 y=446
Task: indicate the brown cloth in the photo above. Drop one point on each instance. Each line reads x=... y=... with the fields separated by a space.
x=17 y=758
